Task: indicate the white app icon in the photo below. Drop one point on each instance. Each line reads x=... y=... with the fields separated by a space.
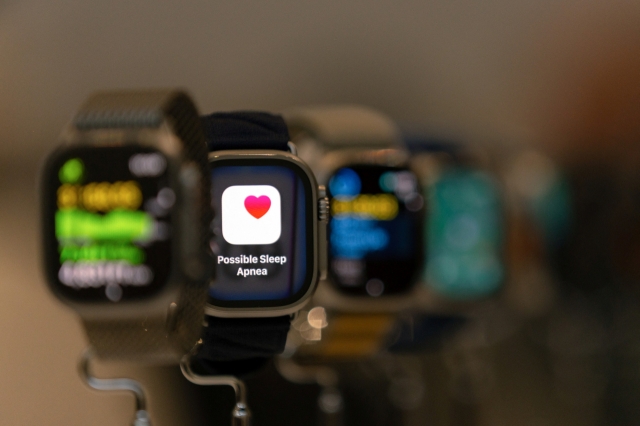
x=251 y=214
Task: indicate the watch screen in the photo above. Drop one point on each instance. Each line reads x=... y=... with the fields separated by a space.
x=465 y=235
x=375 y=231
x=107 y=213
x=263 y=233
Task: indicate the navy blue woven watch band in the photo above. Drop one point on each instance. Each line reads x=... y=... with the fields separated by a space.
x=245 y=130
x=242 y=345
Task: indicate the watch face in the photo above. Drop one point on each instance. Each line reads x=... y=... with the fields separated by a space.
x=465 y=235
x=107 y=223
x=263 y=241
x=375 y=231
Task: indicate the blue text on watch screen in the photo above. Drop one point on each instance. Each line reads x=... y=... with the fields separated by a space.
x=375 y=244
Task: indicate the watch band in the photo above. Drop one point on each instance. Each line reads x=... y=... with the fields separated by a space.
x=241 y=345
x=350 y=336
x=245 y=130
x=340 y=126
x=164 y=337
x=416 y=141
x=422 y=332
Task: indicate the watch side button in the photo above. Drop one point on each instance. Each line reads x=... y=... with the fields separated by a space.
x=323 y=204
x=323 y=220
x=322 y=191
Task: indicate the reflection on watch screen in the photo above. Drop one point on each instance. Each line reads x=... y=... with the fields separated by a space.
x=108 y=217
x=375 y=231
x=263 y=237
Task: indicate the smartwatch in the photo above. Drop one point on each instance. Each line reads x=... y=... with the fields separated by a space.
x=374 y=232
x=126 y=223
x=465 y=235
x=269 y=239
x=465 y=228
x=377 y=207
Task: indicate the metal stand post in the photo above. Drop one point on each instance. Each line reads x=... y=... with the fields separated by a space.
x=122 y=384
x=241 y=415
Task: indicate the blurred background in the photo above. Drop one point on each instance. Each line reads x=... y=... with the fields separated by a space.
x=559 y=78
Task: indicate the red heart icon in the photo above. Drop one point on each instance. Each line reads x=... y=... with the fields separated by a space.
x=257 y=206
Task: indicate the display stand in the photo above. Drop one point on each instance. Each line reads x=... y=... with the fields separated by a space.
x=121 y=384
x=241 y=415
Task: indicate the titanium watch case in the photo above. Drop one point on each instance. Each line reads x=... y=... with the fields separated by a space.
x=189 y=262
x=319 y=210
x=329 y=137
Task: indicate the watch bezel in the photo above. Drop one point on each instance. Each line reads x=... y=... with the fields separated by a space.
x=271 y=308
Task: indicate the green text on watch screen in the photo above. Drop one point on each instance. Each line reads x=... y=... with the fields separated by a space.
x=108 y=222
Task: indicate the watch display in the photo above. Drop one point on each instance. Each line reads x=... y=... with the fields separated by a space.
x=263 y=232
x=108 y=222
x=375 y=231
x=465 y=235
